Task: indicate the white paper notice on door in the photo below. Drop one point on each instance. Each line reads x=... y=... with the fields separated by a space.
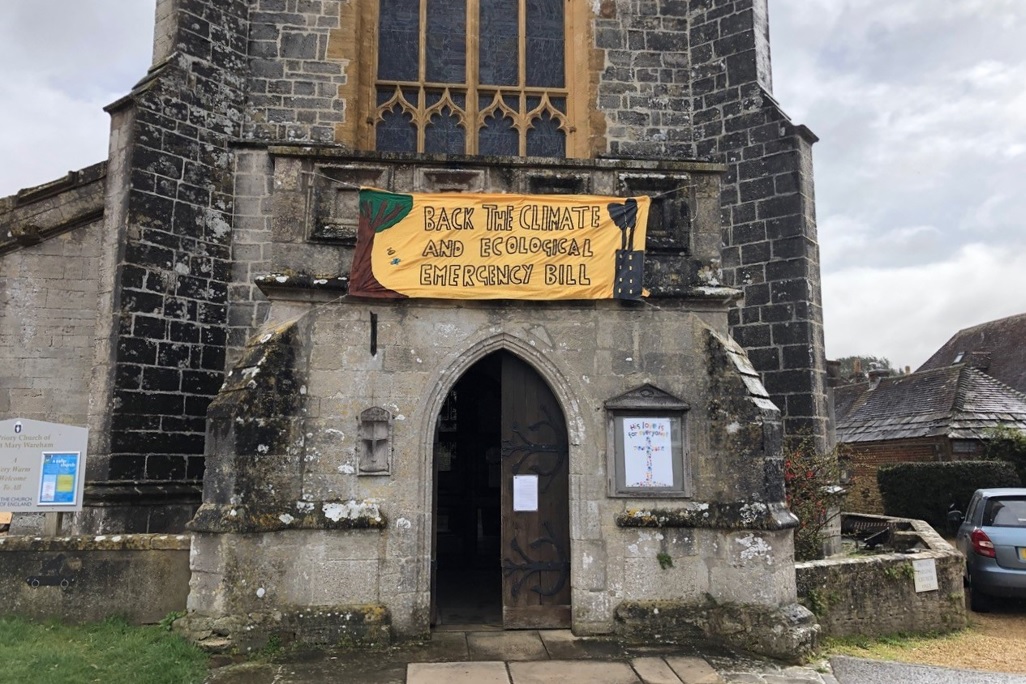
x=525 y=492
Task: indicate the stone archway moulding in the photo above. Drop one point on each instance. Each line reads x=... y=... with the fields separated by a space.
x=455 y=365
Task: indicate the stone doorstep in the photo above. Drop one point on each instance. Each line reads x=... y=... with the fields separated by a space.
x=510 y=645
x=650 y=670
x=457 y=673
x=573 y=672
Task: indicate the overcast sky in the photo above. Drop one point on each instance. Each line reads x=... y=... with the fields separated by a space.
x=920 y=107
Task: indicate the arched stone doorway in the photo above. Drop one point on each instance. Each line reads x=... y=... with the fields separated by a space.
x=501 y=545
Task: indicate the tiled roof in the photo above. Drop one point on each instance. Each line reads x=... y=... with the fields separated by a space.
x=957 y=402
x=1004 y=340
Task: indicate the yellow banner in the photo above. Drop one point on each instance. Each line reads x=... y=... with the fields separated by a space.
x=496 y=246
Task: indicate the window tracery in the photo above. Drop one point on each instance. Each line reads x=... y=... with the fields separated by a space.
x=483 y=77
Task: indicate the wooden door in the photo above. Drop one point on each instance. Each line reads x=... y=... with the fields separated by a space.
x=535 y=543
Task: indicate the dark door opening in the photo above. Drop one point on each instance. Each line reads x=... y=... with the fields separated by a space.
x=467 y=575
x=501 y=553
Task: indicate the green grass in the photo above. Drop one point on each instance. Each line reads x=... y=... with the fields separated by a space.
x=887 y=647
x=109 y=652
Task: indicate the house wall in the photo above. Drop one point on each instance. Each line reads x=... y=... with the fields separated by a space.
x=864 y=494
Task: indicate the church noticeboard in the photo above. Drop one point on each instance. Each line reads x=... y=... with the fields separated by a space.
x=497 y=246
x=42 y=466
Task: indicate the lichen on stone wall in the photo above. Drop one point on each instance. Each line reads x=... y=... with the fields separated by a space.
x=255 y=441
x=305 y=515
x=750 y=515
x=101 y=542
x=744 y=425
x=876 y=595
x=295 y=280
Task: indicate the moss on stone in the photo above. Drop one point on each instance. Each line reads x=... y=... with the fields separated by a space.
x=789 y=632
x=743 y=515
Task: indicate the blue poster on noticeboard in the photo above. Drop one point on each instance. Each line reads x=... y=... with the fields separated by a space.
x=58 y=479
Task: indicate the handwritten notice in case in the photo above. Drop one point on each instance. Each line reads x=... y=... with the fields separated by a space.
x=925 y=574
x=525 y=492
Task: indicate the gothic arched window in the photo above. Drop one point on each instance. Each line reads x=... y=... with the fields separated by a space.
x=490 y=77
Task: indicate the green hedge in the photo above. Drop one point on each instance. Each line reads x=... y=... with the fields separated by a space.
x=925 y=491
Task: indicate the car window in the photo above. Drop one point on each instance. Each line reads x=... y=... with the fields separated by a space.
x=972 y=507
x=1005 y=512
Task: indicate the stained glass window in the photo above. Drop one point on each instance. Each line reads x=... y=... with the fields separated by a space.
x=499 y=41
x=446 y=39
x=498 y=136
x=545 y=43
x=472 y=77
x=399 y=40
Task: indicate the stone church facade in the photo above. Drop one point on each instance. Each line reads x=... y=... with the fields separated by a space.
x=346 y=466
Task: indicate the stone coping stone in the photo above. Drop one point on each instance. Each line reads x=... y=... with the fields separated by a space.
x=328 y=151
x=102 y=542
x=744 y=515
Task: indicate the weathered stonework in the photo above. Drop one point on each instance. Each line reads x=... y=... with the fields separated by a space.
x=170 y=208
x=49 y=292
x=341 y=627
x=227 y=238
x=739 y=555
x=141 y=577
x=791 y=633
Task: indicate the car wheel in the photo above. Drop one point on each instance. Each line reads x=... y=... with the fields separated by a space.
x=978 y=602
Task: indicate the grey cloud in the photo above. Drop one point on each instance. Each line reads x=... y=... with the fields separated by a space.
x=61 y=62
x=80 y=46
x=921 y=112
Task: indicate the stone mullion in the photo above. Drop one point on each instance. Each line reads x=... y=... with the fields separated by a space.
x=421 y=120
x=472 y=76
x=523 y=122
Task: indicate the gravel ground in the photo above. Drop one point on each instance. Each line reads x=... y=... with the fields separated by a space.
x=995 y=641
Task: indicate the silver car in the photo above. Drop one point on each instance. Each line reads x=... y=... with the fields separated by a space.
x=993 y=538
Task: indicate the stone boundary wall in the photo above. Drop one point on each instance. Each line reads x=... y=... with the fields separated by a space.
x=876 y=596
x=141 y=577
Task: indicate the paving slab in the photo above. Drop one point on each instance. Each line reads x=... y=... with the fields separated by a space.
x=457 y=673
x=572 y=672
x=244 y=673
x=526 y=645
x=561 y=644
x=444 y=647
x=654 y=670
x=694 y=670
